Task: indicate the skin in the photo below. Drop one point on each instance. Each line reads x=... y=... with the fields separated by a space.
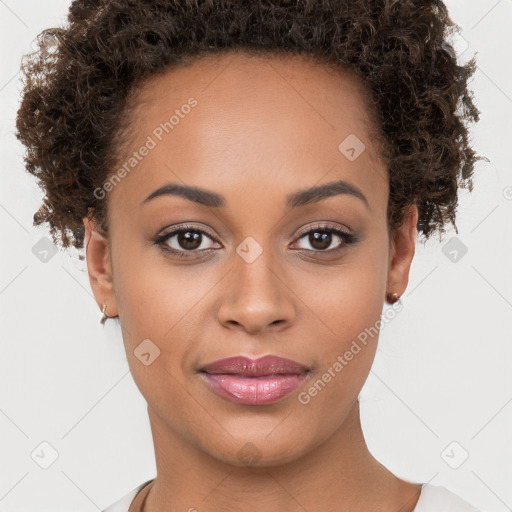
x=263 y=128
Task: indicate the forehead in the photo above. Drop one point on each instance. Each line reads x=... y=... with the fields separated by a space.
x=273 y=117
x=252 y=85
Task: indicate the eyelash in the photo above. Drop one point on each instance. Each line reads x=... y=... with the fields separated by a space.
x=348 y=238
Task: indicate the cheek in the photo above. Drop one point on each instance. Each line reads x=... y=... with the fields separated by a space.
x=164 y=303
x=346 y=299
x=155 y=305
x=344 y=352
x=153 y=294
x=346 y=306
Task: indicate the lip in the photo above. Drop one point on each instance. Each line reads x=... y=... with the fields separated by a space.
x=267 y=365
x=254 y=381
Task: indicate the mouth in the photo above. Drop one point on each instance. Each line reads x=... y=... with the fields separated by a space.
x=254 y=381
x=247 y=367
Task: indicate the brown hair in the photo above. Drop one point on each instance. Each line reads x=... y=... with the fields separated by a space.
x=77 y=85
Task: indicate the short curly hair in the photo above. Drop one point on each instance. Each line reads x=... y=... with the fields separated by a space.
x=77 y=86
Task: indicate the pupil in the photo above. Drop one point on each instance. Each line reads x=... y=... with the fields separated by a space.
x=324 y=239
x=189 y=239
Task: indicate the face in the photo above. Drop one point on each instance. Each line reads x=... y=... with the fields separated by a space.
x=266 y=268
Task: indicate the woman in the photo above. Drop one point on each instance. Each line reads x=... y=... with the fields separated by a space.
x=248 y=181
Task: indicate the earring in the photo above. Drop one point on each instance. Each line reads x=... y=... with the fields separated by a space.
x=392 y=298
x=105 y=316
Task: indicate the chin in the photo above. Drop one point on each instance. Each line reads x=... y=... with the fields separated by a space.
x=258 y=453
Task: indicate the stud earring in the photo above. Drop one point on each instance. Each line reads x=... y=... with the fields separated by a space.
x=392 y=298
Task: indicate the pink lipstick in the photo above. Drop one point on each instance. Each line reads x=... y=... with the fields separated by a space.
x=254 y=381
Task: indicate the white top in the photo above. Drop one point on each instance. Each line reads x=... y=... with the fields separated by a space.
x=432 y=499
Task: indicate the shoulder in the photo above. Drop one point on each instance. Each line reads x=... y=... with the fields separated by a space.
x=434 y=498
x=124 y=503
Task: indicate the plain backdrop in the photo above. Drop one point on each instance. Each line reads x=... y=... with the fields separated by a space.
x=437 y=406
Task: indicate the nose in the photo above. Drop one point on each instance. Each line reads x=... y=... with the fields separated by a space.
x=257 y=296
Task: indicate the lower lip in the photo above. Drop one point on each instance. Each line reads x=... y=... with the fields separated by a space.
x=254 y=390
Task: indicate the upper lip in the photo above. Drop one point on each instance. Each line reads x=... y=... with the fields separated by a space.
x=267 y=365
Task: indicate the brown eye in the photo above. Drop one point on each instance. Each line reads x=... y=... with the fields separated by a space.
x=185 y=240
x=189 y=239
x=322 y=238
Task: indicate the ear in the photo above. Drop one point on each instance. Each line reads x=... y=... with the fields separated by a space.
x=99 y=267
x=403 y=244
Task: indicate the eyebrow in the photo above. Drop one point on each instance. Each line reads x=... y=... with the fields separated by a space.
x=295 y=200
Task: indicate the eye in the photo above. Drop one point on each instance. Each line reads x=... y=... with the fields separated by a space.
x=322 y=237
x=189 y=241
x=185 y=239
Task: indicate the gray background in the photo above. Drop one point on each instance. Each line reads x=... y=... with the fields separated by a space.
x=440 y=389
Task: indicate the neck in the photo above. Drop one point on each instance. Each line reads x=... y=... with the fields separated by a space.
x=338 y=474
